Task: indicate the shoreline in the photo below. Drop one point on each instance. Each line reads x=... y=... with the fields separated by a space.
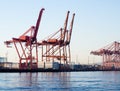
x=50 y=70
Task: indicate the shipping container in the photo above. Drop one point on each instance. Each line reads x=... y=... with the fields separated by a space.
x=15 y=66
x=41 y=64
x=51 y=65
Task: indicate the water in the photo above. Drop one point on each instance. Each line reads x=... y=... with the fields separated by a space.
x=60 y=81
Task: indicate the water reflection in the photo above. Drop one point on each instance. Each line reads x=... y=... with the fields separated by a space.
x=55 y=80
x=28 y=80
x=60 y=81
x=45 y=81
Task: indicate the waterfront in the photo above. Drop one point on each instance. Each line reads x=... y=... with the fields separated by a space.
x=61 y=81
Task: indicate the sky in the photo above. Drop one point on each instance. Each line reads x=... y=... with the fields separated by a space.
x=97 y=23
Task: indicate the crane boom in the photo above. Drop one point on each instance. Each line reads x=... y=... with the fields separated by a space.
x=37 y=25
x=65 y=25
x=31 y=34
x=71 y=27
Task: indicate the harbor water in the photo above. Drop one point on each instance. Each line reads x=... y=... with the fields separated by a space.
x=61 y=81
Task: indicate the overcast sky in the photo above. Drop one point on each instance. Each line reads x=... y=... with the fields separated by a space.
x=97 y=23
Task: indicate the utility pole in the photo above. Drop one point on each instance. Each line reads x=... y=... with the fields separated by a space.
x=88 y=60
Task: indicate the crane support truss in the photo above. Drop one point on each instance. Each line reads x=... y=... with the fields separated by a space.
x=56 y=47
x=28 y=55
x=110 y=54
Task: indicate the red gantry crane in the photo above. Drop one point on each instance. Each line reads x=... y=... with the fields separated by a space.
x=110 y=54
x=26 y=46
x=56 y=47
